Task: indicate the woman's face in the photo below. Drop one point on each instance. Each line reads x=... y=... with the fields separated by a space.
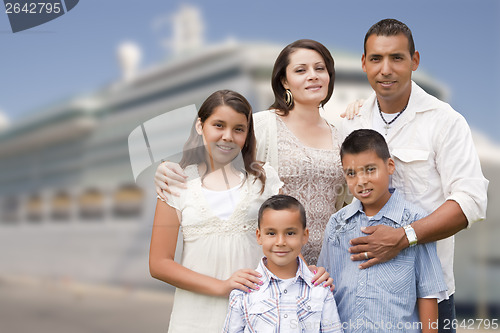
x=224 y=134
x=307 y=77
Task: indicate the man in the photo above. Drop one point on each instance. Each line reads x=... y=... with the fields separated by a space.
x=437 y=166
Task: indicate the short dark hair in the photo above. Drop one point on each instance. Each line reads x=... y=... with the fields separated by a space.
x=365 y=140
x=391 y=27
x=282 y=202
x=282 y=62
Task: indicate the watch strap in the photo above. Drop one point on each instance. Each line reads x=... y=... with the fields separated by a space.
x=410 y=235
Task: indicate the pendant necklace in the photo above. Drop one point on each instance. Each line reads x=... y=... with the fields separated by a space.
x=388 y=124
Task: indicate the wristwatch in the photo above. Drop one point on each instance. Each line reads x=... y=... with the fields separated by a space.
x=410 y=235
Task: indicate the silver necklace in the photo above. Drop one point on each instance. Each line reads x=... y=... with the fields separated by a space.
x=388 y=124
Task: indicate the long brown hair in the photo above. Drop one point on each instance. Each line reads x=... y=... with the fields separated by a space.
x=194 y=150
x=283 y=60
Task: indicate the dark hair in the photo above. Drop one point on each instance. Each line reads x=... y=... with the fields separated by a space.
x=391 y=27
x=282 y=62
x=282 y=202
x=365 y=140
x=194 y=149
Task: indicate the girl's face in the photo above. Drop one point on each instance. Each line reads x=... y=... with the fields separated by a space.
x=224 y=134
x=307 y=77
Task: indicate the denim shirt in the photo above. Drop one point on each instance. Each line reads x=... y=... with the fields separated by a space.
x=382 y=298
x=293 y=305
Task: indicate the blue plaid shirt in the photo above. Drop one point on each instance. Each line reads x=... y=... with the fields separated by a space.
x=293 y=305
x=382 y=298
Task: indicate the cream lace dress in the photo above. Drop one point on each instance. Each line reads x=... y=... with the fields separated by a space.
x=215 y=247
x=315 y=178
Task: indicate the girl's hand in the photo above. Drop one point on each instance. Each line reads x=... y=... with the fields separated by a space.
x=168 y=174
x=352 y=109
x=244 y=280
x=321 y=275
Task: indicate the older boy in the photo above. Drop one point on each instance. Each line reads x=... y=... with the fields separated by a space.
x=395 y=296
x=287 y=300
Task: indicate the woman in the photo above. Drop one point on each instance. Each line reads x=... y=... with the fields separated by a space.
x=294 y=139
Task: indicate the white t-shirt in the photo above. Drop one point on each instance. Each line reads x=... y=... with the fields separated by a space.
x=224 y=202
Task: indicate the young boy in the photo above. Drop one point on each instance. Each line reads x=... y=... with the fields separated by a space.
x=287 y=300
x=395 y=296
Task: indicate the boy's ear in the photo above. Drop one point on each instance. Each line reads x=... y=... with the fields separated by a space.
x=391 y=165
x=257 y=233
x=306 y=236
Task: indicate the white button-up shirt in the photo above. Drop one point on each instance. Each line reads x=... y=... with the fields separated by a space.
x=282 y=306
x=435 y=161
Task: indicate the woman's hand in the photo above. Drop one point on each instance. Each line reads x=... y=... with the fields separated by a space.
x=169 y=174
x=321 y=275
x=244 y=280
x=352 y=109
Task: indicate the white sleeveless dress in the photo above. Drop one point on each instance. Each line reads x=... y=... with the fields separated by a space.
x=215 y=247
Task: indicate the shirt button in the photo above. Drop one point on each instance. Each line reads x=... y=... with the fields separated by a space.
x=361 y=283
x=308 y=307
x=285 y=291
x=285 y=316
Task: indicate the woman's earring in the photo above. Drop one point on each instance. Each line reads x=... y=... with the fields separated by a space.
x=288 y=98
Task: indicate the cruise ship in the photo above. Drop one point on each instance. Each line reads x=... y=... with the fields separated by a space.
x=71 y=208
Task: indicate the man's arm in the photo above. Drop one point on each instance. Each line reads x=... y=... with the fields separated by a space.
x=384 y=242
x=444 y=222
x=464 y=188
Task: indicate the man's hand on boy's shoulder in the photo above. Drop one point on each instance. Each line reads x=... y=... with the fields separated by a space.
x=381 y=244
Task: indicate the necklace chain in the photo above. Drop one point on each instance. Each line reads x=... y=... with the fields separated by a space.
x=387 y=124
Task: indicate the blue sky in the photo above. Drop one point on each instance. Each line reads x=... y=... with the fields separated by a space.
x=458 y=40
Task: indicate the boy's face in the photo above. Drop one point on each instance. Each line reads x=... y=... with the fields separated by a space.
x=282 y=236
x=367 y=176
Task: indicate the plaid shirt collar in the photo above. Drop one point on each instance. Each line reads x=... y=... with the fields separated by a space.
x=303 y=273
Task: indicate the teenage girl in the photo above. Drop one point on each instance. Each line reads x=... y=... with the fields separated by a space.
x=218 y=214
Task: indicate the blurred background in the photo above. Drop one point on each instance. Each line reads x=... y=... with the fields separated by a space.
x=75 y=224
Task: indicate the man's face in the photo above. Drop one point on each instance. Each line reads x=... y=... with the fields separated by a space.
x=389 y=65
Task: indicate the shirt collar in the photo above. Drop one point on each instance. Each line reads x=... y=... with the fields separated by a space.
x=303 y=272
x=352 y=209
x=393 y=208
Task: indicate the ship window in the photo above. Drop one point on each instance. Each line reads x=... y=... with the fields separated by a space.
x=128 y=201
x=61 y=207
x=9 y=210
x=91 y=204
x=34 y=208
